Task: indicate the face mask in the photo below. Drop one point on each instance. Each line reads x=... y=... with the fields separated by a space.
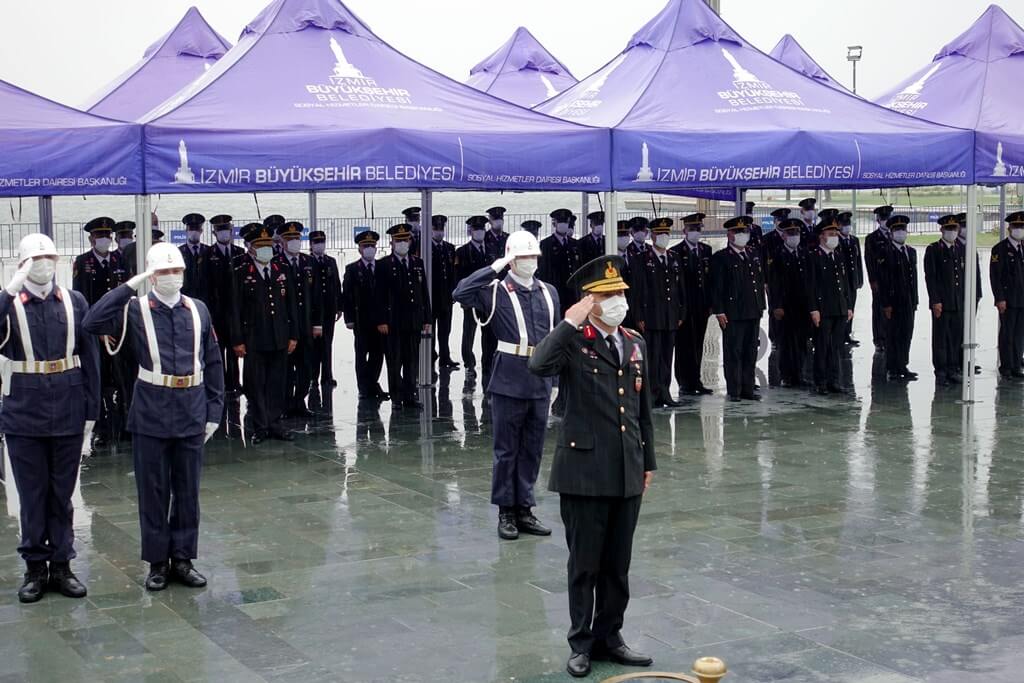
x=438 y=235
x=318 y=248
x=293 y=246
x=103 y=244
x=740 y=239
x=169 y=285
x=223 y=236
x=597 y=230
x=831 y=242
x=899 y=236
x=693 y=237
x=524 y=267
x=845 y=230
x=963 y=232
x=661 y=241
x=402 y=248
x=497 y=224
x=1017 y=233
x=41 y=271
x=562 y=228
x=264 y=254
x=124 y=242
x=613 y=310
x=640 y=237
x=792 y=241
x=369 y=253
x=193 y=236
x=950 y=235
x=623 y=242
x=478 y=235
x=415 y=225
x=809 y=216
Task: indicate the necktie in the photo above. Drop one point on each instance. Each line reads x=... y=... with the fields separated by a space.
x=266 y=273
x=195 y=251
x=610 y=339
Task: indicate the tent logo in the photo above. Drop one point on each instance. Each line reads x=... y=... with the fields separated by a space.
x=645 y=175
x=739 y=74
x=184 y=174
x=348 y=86
x=343 y=69
x=579 y=107
x=907 y=101
x=917 y=86
x=750 y=93
x=1000 y=168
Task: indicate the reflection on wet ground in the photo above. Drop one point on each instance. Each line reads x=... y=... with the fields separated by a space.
x=873 y=537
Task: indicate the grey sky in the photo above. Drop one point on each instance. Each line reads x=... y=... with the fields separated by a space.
x=67 y=49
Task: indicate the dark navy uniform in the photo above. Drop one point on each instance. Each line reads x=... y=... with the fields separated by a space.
x=496 y=238
x=359 y=303
x=1006 y=277
x=299 y=267
x=876 y=244
x=592 y=245
x=787 y=290
x=853 y=261
x=897 y=273
x=944 y=274
x=220 y=258
x=327 y=300
x=827 y=287
x=412 y=217
x=695 y=260
x=443 y=284
x=197 y=271
x=469 y=258
x=559 y=259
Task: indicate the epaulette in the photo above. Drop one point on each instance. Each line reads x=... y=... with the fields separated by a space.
x=631 y=333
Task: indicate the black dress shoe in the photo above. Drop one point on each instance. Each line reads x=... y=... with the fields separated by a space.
x=257 y=438
x=913 y=375
x=156 y=580
x=332 y=382
x=450 y=365
x=184 y=573
x=470 y=372
x=670 y=403
x=852 y=342
x=835 y=389
x=34 y=586
x=956 y=378
x=750 y=396
x=704 y=390
x=282 y=436
x=64 y=581
x=507 y=529
x=528 y=524
x=1017 y=375
x=301 y=412
x=733 y=399
x=578 y=665
x=626 y=657
x=821 y=391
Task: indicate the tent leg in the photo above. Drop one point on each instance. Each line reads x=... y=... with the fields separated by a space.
x=311 y=196
x=611 y=221
x=1002 y=212
x=46 y=216
x=970 y=291
x=144 y=236
x=426 y=249
x=585 y=209
x=853 y=209
x=740 y=201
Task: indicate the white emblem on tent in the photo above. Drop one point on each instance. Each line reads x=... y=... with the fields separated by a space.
x=739 y=74
x=917 y=86
x=1000 y=169
x=594 y=88
x=552 y=91
x=184 y=174
x=644 y=175
x=342 y=67
x=571 y=107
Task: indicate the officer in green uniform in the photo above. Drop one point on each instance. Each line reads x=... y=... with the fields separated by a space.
x=604 y=458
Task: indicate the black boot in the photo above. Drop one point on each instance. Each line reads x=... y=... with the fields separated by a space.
x=34 y=586
x=157 y=578
x=184 y=573
x=528 y=524
x=507 y=529
x=64 y=581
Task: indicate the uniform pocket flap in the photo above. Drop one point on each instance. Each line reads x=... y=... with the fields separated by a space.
x=581 y=442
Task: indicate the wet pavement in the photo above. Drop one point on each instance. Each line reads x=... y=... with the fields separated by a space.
x=873 y=537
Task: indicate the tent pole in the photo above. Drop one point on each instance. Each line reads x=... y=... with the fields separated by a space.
x=585 y=208
x=144 y=236
x=426 y=253
x=739 y=201
x=311 y=196
x=970 y=292
x=46 y=216
x=853 y=209
x=1002 y=212
x=611 y=222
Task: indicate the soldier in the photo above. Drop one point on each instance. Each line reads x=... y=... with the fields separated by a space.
x=658 y=277
x=604 y=459
x=849 y=249
x=299 y=267
x=196 y=258
x=638 y=230
x=327 y=295
x=125 y=232
x=469 y=258
x=560 y=257
x=51 y=396
x=264 y=330
x=179 y=400
x=412 y=219
x=756 y=232
x=95 y=273
x=827 y=288
x=359 y=301
x=1006 y=277
x=443 y=284
x=695 y=260
x=495 y=238
x=220 y=284
x=128 y=254
x=897 y=273
x=876 y=244
x=273 y=222
x=532 y=227
x=592 y=244
x=403 y=315
x=773 y=240
x=944 y=278
x=787 y=300
x=521 y=311
x=737 y=301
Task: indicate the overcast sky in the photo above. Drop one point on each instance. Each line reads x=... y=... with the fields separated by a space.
x=68 y=49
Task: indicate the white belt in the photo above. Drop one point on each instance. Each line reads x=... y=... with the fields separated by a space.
x=45 y=367
x=515 y=349
x=170 y=381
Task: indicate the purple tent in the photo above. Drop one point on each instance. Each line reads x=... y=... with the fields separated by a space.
x=312 y=99
x=167 y=66
x=693 y=104
x=793 y=55
x=521 y=71
x=51 y=149
x=974 y=82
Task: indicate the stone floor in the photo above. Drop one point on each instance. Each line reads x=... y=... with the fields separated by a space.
x=873 y=538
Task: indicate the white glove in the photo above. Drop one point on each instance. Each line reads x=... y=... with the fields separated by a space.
x=137 y=281
x=18 y=281
x=500 y=264
x=211 y=427
x=87 y=437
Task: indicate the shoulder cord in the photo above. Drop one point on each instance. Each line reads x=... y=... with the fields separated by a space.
x=494 y=305
x=124 y=333
x=7 y=336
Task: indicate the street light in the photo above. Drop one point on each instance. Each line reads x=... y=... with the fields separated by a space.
x=853 y=54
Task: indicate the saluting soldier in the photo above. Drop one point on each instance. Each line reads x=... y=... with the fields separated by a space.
x=876 y=245
x=830 y=309
x=264 y=330
x=196 y=261
x=1006 y=276
x=790 y=324
x=658 y=276
x=177 y=406
x=299 y=267
x=897 y=272
x=403 y=315
x=359 y=301
x=220 y=285
x=944 y=274
x=327 y=298
x=443 y=282
x=51 y=397
x=495 y=238
x=604 y=459
x=560 y=257
x=853 y=261
x=592 y=244
x=737 y=301
x=469 y=258
x=521 y=311
x=695 y=260
x=95 y=273
x=412 y=219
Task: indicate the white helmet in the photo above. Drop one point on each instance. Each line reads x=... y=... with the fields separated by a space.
x=35 y=244
x=164 y=256
x=522 y=243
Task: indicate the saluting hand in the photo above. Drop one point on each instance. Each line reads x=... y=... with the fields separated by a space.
x=578 y=313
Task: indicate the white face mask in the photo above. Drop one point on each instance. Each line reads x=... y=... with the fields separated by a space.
x=623 y=242
x=899 y=236
x=525 y=267
x=792 y=241
x=478 y=235
x=809 y=216
x=613 y=310
x=1017 y=233
x=264 y=254
x=193 y=236
x=640 y=237
x=402 y=248
x=369 y=253
x=661 y=241
x=497 y=224
x=124 y=242
x=831 y=242
x=223 y=236
x=41 y=271
x=562 y=228
x=950 y=235
x=597 y=230
x=846 y=230
x=169 y=285
x=318 y=248
x=415 y=225
x=740 y=239
x=438 y=235
x=693 y=237
x=293 y=246
x=102 y=244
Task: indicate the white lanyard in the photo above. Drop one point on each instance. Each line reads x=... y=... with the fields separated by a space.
x=26 y=335
x=517 y=309
x=151 y=340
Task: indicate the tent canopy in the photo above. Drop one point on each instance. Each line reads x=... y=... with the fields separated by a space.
x=974 y=82
x=51 y=149
x=168 y=65
x=310 y=98
x=521 y=71
x=792 y=54
x=693 y=104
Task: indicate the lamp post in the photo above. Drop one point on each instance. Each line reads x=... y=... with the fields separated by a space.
x=853 y=55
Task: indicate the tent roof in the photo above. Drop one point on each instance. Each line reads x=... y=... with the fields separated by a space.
x=792 y=54
x=521 y=71
x=973 y=82
x=168 y=65
x=694 y=104
x=52 y=149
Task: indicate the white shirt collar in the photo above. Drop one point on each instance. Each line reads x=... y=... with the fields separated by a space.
x=41 y=291
x=168 y=301
x=522 y=282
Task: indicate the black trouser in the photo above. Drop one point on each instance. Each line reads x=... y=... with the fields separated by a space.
x=488 y=347
x=111 y=418
x=519 y=428
x=899 y=331
x=45 y=470
x=879 y=325
x=829 y=338
x=792 y=335
x=167 y=479
x=228 y=356
x=300 y=372
x=468 y=338
x=739 y=355
x=852 y=296
x=947 y=343
x=369 y=358
x=264 y=374
x=599 y=533
x=322 y=370
x=442 y=332
x=1011 y=340
x=660 y=344
x=690 y=351
x=403 y=353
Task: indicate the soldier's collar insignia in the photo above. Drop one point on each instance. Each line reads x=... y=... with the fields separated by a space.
x=589 y=333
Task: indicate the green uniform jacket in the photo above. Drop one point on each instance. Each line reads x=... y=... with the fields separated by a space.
x=606 y=441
